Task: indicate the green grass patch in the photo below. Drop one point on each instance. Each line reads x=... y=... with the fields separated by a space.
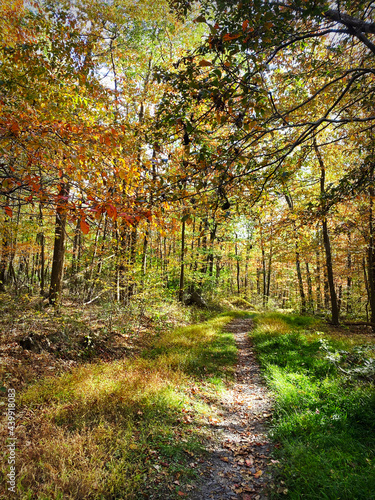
x=128 y=428
x=324 y=408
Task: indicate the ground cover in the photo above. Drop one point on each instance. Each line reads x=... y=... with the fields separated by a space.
x=323 y=425
x=124 y=427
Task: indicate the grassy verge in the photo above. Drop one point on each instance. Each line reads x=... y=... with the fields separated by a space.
x=324 y=424
x=129 y=428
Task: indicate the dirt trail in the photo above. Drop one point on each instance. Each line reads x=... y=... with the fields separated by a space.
x=239 y=448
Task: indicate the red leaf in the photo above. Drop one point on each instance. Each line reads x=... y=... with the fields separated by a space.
x=181 y=493
x=8 y=211
x=85 y=228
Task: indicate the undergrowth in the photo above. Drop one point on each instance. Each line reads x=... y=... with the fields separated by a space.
x=323 y=425
x=124 y=429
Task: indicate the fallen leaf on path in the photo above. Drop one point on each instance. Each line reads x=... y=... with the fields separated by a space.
x=258 y=474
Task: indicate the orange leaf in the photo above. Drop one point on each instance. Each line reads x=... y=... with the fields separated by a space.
x=203 y=62
x=85 y=228
x=181 y=493
x=229 y=37
x=15 y=128
x=8 y=211
x=258 y=474
x=111 y=211
x=245 y=24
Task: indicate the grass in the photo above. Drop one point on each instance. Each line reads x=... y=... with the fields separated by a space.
x=323 y=425
x=127 y=428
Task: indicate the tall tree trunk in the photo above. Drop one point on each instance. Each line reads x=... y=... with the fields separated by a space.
x=132 y=254
x=309 y=289
x=269 y=273
x=318 y=282
x=210 y=257
x=76 y=254
x=349 y=279
x=59 y=247
x=298 y=260
x=264 y=276
x=326 y=240
x=326 y=288
x=204 y=249
x=366 y=285
x=182 y=262
x=259 y=272
x=144 y=252
x=371 y=257
x=237 y=266
x=247 y=257
x=41 y=241
x=300 y=281
x=4 y=255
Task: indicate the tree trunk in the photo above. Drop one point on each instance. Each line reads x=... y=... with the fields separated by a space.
x=327 y=244
x=264 y=277
x=210 y=257
x=182 y=262
x=269 y=274
x=132 y=253
x=41 y=241
x=371 y=258
x=349 y=279
x=309 y=289
x=318 y=282
x=59 y=247
x=237 y=267
x=298 y=261
x=4 y=255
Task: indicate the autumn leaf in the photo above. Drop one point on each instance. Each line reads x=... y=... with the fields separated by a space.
x=203 y=62
x=8 y=211
x=228 y=37
x=258 y=474
x=111 y=211
x=85 y=228
x=14 y=128
x=245 y=24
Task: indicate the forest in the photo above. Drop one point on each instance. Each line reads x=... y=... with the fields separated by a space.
x=173 y=175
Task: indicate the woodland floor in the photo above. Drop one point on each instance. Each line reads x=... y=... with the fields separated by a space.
x=177 y=423
x=239 y=449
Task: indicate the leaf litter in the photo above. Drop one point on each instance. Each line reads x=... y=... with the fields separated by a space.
x=239 y=449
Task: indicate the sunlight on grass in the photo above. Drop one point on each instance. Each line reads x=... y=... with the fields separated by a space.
x=323 y=418
x=115 y=429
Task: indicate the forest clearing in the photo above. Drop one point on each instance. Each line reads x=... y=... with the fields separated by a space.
x=187 y=256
